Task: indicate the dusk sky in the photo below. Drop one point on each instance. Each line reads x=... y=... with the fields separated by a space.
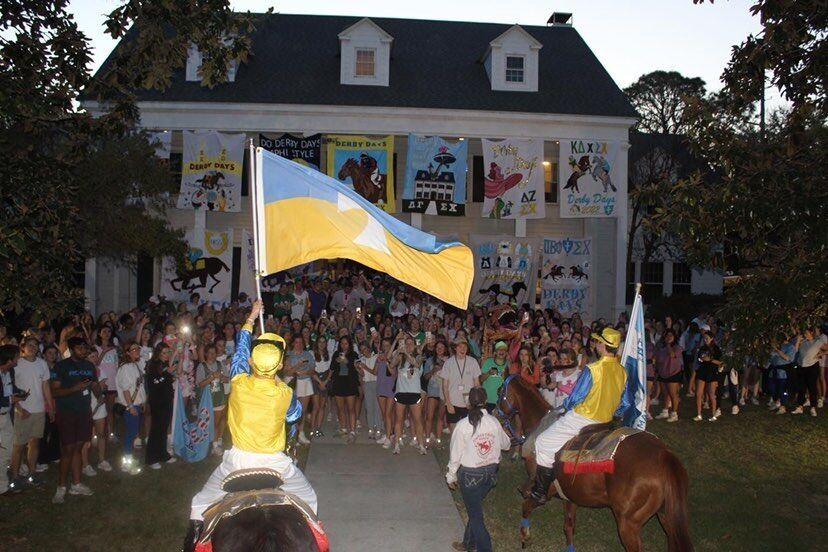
x=630 y=37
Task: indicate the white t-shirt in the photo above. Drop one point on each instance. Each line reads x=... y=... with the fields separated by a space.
x=322 y=366
x=300 y=303
x=461 y=377
x=29 y=376
x=809 y=350
x=408 y=380
x=130 y=378
x=565 y=385
x=370 y=362
x=475 y=449
x=398 y=308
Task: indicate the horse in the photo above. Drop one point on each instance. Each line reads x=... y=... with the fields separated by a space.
x=601 y=172
x=648 y=479
x=362 y=182
x=579 y=169
x=577 y=273
x=208 y=266
x=556 y=273
x=256 y=514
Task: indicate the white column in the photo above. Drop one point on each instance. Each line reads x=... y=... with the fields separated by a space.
x=116 y=286
x=520 y=228
x=667 y=284
x=90 y=285
x=621 y=223
x=417 y=220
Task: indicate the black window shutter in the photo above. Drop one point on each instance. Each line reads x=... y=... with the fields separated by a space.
x=245 y=172
x=477 y=179
x=236 y=271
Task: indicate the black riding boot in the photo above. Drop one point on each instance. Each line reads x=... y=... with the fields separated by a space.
x=543 y=480
x=193 y=533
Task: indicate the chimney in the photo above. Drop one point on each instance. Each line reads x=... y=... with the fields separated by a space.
x=560 y=19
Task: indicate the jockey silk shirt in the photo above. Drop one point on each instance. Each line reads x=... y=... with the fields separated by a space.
x=599 y=392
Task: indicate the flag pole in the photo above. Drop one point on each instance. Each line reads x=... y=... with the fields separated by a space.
x=251 y=187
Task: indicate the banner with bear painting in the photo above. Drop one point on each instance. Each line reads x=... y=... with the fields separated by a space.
x=306 y=150
x=206 y=269
x=365 y=164
x=435 y=176
x=589 y=178
x=566 y=274
x=505 y=270
x=513 y=179
x=211 y=171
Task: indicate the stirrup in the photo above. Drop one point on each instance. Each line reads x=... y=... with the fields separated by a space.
x=544 y=477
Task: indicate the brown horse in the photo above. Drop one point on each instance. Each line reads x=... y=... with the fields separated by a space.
x=648 y=480
x=362 y=181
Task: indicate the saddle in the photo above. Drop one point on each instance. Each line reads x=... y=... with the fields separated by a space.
x=593 y=449
x=255 y=488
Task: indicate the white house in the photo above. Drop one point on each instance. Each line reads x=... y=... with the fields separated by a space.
x=374 y=76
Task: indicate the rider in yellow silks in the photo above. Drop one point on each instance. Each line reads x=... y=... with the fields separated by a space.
x=597 y=397
x=260 y=404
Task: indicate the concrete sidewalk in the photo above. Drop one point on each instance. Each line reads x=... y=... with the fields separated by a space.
x=370 y=499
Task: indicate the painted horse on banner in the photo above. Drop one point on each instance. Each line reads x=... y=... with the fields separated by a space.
x=369 y=183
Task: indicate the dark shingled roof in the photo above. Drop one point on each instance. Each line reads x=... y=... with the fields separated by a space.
x=434 y=64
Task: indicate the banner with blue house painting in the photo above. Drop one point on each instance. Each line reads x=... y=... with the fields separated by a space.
x=435 y=176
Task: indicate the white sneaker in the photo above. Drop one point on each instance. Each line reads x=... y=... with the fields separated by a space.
x=303 y=439
x=742 y=401
x=771 y=404
x=103 y=465
x=386 y=444
x=413 y=442
x=156 y=466
x=60 y=496
x=663 y=415
x=89 y=471
x=807 y=403
x=717 y=413
x=820 y=403
x=384 y=441
x=23 y=471
x=216 y=449
x=813 y=412
x=446 y=430
x=40 y=468
x=712 y=418
x=697 y=418
x=397 y=448
x=782 y=410
x=80 y=489
x=423 y=450
x=137 y=443
x=172 y=460
x=133 y=470
x=673 y=417
x=351 y=437
x=734 y=409
x=754 y=401
x=797 y=410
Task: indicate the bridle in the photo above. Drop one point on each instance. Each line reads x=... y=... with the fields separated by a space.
x=507 y=417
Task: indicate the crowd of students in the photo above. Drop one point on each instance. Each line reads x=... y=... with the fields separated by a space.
x=363 y=351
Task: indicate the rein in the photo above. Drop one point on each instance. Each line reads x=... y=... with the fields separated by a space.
x=506 y=419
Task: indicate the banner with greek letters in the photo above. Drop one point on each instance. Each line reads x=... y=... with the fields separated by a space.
x=435 y=176
x=513 y=179
x=589 y=178
x=505 y=270
x=566 y=274
x=211 y=171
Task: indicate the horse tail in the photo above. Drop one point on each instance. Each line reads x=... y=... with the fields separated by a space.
x=673 y=515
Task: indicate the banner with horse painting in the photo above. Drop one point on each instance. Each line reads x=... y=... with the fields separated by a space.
x=505 y=270
x=566 y=275
x=589 y=178
x=435 y=176
x=211 y=171
x=367 y=165
x=206 y=269
x=513 y=173
x=306 y=150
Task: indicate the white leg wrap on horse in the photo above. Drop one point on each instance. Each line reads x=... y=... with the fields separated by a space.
x=555 y=437
x=235 y=459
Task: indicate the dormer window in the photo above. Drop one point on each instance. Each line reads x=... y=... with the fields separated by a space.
x=514 y=68
x=195 y=59
x=365 y=62
x=365 y=54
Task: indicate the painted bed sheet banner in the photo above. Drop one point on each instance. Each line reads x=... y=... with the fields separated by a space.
x=566 y=274
x=435 y=176
x=207 y=269
x=211 y=171
x=367 y=165
x=505 y=270
x=589 y=178
x=513 y=185
x=306 y=150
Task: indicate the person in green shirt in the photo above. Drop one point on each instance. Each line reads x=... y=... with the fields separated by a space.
x=494 y=369
x=282 y=300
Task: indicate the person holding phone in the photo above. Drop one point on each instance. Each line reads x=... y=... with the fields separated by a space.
x=129 y=384
x=73 y=381
x=300 y=364
x=407 y=365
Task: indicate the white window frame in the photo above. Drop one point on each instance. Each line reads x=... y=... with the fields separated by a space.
x=373 y=74
x=522 y=70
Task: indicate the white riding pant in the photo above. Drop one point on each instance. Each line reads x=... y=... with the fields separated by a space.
x=555 y=437
x=234 y=459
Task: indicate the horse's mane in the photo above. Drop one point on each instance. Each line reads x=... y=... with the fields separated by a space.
x=532 y=392
x=269 y=529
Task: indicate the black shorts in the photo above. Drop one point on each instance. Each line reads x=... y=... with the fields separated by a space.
x=459 y=414
x=74 y=427
x=408 y=399
x=678 y=377
x=707 y=373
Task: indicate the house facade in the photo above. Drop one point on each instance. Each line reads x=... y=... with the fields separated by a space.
x=379 y=77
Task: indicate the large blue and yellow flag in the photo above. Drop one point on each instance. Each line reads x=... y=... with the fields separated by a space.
x=304 y=215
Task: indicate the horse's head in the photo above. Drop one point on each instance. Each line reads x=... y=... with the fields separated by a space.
x=518 y=398
x=349 y=168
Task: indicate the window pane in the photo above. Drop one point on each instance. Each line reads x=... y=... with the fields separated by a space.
x=514 y=69
x=514 y=62
x=365 y=63
x=550 y=180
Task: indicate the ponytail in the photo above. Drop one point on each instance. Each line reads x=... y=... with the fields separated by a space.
x=477 y=402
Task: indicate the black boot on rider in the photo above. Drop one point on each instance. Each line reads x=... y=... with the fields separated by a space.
x=193 y=533
x=543 y=480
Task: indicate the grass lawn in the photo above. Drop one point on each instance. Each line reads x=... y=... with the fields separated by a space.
x=147 y=512
x=757 y=482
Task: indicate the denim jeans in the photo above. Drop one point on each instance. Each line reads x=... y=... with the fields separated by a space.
x=132 y=425
x=475 y=484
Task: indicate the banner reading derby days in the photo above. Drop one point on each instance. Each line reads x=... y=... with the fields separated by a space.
x=588 y=178
x=367 y=165
x=566 y=274
x=211 y=171
x=435 y=176
x=306 y=150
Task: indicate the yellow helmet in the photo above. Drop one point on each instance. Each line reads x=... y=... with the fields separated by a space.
x=268 y=351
